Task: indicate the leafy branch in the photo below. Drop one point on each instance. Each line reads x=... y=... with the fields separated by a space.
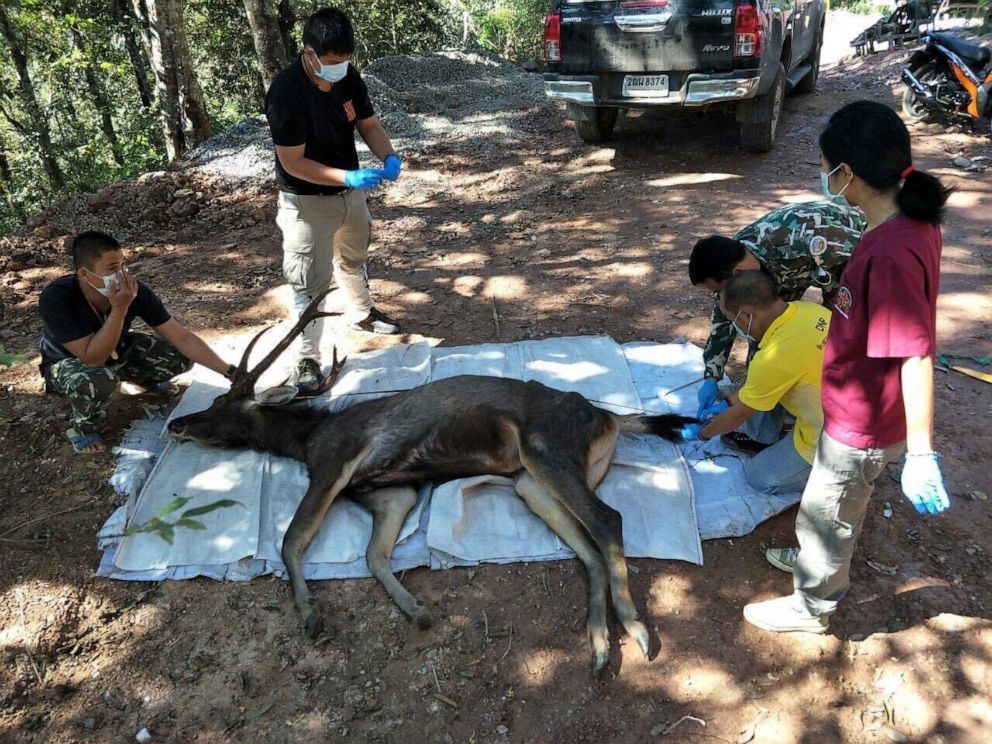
x=167 y=530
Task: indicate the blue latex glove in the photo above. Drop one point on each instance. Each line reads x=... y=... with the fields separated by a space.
x=714 y=410
x=363 y=178
x=923 y=484
x=690 y=432
x=391 y=166
x=707 y=395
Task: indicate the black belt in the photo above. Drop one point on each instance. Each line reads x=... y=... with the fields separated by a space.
x=342 y=192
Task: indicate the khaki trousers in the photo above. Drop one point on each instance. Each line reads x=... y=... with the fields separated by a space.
x=325 y=237
x=831 y=513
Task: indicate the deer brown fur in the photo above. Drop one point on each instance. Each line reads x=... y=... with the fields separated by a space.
x=555 y=445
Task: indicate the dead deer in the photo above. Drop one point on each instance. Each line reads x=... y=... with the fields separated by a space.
x=556 y=445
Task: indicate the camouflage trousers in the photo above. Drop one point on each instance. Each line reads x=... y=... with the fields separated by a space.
x=145 y=361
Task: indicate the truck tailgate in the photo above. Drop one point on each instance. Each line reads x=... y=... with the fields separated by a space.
x=642 y=36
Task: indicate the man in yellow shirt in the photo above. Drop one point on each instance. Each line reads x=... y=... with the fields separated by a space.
x=791 y=337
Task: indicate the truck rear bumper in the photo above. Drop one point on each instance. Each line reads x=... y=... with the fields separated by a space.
x=697 y=90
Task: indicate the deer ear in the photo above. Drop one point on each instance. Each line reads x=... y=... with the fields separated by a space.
x=277 y=396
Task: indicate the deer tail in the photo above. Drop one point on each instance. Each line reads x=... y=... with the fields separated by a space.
x=665 y=426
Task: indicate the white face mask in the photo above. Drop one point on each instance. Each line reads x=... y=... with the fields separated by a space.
x=329 y=73
x=742 y=333
x=108 y=282
x=825 y=185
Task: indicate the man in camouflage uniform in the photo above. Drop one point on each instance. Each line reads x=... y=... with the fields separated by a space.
x=800 y=246
x=87 y=346
x=146 y=361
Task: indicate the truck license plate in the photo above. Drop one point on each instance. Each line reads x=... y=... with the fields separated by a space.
x=645 y=86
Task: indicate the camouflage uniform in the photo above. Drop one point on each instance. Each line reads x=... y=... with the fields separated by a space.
x=145 y=360
x=783 y=242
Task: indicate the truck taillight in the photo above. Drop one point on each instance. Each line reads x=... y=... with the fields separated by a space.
x=748 y=30
x=552 y=37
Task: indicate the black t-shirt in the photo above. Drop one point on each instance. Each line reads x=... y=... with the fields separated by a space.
x=300 y=113
x=67 y=316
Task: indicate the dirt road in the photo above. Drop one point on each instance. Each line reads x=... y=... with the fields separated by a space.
x=568 y=239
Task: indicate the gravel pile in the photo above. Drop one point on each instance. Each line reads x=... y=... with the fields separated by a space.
x=458 y=85
x=243 y=151
x=421 y=99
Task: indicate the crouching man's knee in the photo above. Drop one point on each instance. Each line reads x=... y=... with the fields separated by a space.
x=77 y=381
x=772 y=475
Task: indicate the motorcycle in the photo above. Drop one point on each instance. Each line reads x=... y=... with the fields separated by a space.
x=950 y=78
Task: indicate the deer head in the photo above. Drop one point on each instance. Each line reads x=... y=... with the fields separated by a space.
x=238 y=417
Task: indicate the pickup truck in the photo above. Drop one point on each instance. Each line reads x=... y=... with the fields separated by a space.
x=608 y=55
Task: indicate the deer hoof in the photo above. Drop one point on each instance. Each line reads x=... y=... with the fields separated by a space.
x=599 y=659
x=640 y=634
x=422 y=618
x=314 y=624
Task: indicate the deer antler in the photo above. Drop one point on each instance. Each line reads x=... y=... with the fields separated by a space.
x=244 y=381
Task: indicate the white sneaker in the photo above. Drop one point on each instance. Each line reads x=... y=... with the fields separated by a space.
x=377 y=322
x=785 y=615
x=784 y=559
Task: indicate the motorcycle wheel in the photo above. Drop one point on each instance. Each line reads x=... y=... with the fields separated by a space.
x=912 y=107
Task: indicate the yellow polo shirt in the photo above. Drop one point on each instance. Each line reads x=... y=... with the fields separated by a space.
x=786 y=369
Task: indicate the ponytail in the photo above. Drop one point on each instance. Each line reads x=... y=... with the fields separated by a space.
x=873 y=141
x=922 y=197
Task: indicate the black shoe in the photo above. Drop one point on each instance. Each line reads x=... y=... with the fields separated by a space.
x=741 y=442
x=377 y=322
x=309 y=376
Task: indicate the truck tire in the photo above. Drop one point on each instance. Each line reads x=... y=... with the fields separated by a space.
x=761 y=115
x=808 y=83
x=600 y=127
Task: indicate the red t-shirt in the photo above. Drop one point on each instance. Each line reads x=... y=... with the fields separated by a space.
x=884 y=312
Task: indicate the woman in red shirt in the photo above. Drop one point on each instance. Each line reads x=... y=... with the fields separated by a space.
x=877 y=389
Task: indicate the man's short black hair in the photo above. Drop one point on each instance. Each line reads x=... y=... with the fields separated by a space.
x=329 y=31
x=752 y=288
x=715 y=258
x=87 y=247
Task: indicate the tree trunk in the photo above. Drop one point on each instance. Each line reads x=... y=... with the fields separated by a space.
x=96 y=93
x=184 y=114
x=125 y=17
x=6 y=187
x=287 y=19
x=5 y=175
x=269 y=48
x=41 y=136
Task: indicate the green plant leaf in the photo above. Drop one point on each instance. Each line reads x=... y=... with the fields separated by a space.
x=261 y=710
x=6 y=360
x=192 y=524
x=176 y=503
x=207 y=508
x=166 y=532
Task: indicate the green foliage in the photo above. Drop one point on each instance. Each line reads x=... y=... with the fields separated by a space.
x=7 y=360
x=167 y=530
x=224 y=57
x=510 y=28
x=388 y=27
x=864 y=7
x=64 y=40
x=57 y=68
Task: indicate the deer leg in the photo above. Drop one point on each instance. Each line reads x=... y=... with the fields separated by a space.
x=544 y=505
x=390 y=507
x=324 y=487
x=604 y=524
x=600 y=457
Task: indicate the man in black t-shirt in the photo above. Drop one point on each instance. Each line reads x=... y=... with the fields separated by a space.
x=87 y=346
x=313 y=108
